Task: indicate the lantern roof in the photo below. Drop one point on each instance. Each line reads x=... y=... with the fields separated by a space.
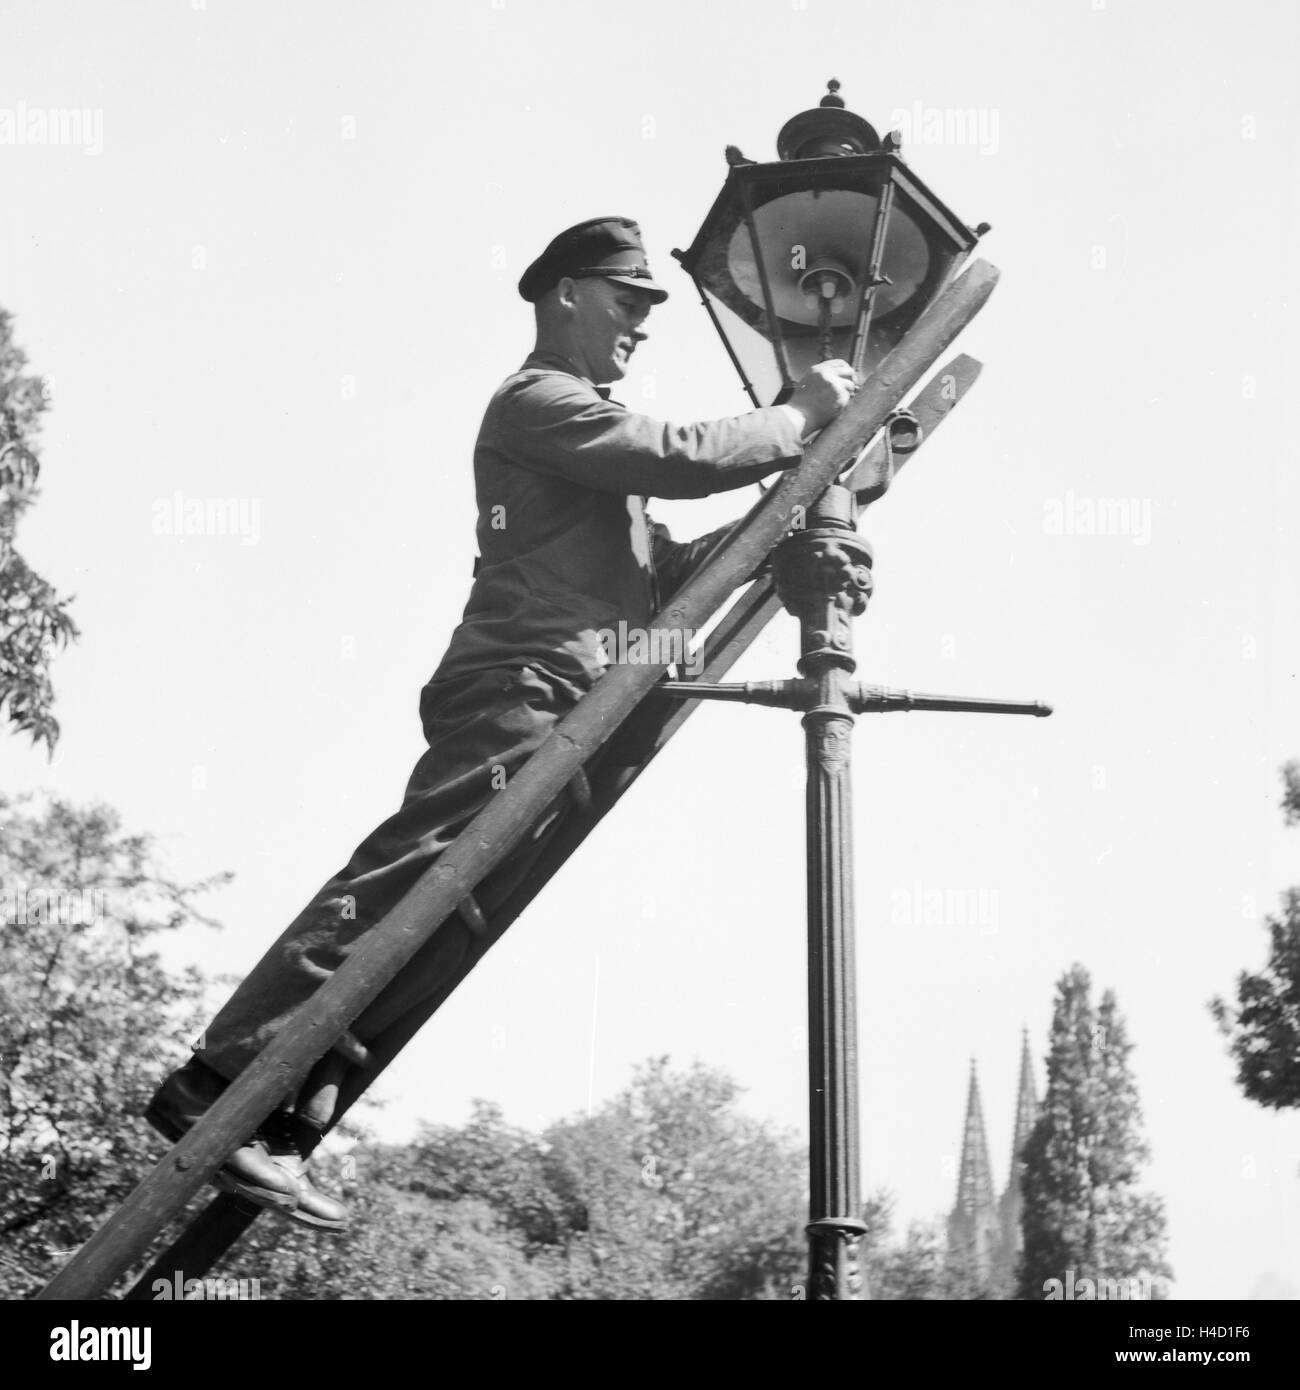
x=829 y=128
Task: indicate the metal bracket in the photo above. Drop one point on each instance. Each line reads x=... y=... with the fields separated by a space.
x=873 y=470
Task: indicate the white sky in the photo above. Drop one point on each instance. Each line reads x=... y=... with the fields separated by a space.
x=233 y=300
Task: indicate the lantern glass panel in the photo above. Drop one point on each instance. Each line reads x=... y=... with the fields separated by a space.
x=754 y=351
x=810 y=249
x=923 y=263
x=802 y=232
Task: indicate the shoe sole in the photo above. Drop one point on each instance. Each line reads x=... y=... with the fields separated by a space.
x=303 y=1217
x=315 y=1223
x=280 y=1202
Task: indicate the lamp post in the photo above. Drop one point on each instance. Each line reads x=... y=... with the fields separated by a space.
x=834 y=250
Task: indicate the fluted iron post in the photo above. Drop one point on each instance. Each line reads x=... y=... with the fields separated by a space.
x=823 y=577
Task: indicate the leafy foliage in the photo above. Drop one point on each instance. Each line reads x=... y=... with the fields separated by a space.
x=1291 y=792
x=1082 y=1208
x=667 y=1192
x=1264 y=1026
x=90 y=1021
x=34 y=621
x=921 y=1267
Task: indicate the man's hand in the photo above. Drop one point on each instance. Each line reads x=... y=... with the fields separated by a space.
x=823 y=393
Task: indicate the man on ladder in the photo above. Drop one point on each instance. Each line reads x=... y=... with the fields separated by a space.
x=566 y=551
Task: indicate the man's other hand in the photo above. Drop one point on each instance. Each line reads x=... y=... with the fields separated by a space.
x=823 y=392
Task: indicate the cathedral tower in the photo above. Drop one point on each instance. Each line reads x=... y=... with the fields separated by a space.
x=984 y=1230
x=974 y=1230
x=1026 y=1115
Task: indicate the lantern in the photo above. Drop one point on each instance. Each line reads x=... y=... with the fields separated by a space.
x=832 y=251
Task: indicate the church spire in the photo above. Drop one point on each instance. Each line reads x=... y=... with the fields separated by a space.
x=1026 y=1117
x=1026 y=1105
x=975 y=1182
x=974 y=1230
x=984 y=1231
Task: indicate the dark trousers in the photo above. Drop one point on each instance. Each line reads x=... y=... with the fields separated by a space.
x=481 y=729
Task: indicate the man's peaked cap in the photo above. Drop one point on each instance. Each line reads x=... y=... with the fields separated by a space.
x=609 y=247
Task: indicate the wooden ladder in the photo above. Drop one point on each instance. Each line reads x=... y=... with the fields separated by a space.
x=599 y=749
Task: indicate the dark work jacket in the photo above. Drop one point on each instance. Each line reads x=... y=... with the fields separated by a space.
x=561 y=476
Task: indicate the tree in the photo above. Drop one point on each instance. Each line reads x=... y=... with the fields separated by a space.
x=90 y=1022
x=1291 y=792
x=1082 y=1209
x=416 y=1233
x=921 y=1267
x=34 y=620
x=667 y=1192
x=679 y=1196
x=1264 y=1026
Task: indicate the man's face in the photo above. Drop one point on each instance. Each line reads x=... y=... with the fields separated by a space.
x=607 y=325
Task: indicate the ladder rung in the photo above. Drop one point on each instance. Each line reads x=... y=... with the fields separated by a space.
x=472 y=915
x=580 y=791
x=348 y=1046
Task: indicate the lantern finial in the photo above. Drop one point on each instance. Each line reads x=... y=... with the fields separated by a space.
x=826 y=129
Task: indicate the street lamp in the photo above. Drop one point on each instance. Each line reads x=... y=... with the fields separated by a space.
x=835 y=250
